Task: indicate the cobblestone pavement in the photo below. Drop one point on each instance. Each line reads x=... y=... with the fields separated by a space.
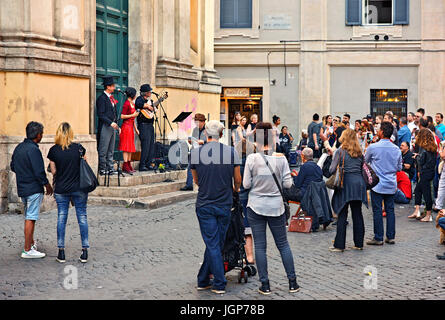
x=156 y=254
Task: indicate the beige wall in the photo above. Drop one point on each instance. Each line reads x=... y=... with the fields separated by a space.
x=325 y=46
x=48 y=99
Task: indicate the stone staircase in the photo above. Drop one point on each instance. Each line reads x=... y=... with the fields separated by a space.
x=142 y=190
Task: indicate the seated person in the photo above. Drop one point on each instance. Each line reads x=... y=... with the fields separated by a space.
x=404 y=193
x=309 y=172
x=407 y=160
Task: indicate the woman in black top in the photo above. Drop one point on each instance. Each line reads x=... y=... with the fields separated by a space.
x=64 y=159
x=426 y=164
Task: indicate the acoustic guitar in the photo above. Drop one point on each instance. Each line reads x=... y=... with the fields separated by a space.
x=151 y=114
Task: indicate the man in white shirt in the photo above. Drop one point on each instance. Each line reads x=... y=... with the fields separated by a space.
x=411 y=121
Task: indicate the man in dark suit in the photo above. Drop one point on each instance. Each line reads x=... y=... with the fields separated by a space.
x=146 y=128
x=107 y=127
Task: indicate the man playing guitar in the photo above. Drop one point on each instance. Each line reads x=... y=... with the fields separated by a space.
x=145 y=123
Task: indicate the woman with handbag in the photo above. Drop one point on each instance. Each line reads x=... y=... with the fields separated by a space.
x=65 y=158
x=266 y=206
x=350 y=191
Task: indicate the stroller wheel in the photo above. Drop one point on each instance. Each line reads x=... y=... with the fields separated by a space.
x=246 y=277
x=251 y=270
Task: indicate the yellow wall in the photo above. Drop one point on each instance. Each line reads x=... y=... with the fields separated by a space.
x=190 y=101
x=48 y=99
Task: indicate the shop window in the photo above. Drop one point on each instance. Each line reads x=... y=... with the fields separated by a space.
x=395 y=100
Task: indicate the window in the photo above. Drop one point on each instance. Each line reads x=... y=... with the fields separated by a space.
x=236 y=13
x=395 y=100
x=377 y=12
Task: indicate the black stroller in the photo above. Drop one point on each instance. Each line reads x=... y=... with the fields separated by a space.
x=234 y=254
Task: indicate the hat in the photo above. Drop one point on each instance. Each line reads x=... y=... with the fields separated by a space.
x=214 y=128
x=146 y=88
x=200 y=117
x=369 y=116
x=108 y=81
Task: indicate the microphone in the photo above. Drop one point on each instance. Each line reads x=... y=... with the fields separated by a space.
x=156 y=94
x=120 y=91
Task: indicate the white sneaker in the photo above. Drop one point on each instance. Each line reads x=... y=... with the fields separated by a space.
x=32 y=254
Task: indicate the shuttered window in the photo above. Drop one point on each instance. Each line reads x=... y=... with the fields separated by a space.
x=377 y=12
x=236 y=13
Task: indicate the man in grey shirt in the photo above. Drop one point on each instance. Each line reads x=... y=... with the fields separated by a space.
x=313 y=132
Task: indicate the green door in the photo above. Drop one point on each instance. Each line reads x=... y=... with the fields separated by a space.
x=112 y=49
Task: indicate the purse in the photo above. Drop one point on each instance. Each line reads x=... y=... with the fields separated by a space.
x=336 y=180
x=300 y=223
x=88 y=180
x=285 y=202
x=369 y=175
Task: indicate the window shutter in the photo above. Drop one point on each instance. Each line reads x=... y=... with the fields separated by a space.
x=228 y=14
x=353 y=12
x=401 y=12
x=244 y=11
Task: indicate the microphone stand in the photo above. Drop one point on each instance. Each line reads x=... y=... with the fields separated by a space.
x=165 y=119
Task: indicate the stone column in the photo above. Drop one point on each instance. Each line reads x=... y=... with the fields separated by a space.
x=432 y=67
x=313 y=72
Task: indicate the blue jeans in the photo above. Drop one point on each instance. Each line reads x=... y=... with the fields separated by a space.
x=278 y=227
x=80 y=203
x=388 y=199
x=213 y=222
x=442 y=223
x=400 y=198
x=189 y=181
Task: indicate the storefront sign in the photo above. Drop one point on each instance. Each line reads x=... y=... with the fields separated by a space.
x=277 y=22
x=237 y=92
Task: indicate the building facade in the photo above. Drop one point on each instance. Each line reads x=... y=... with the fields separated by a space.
x=330 y=56
x=53 y=55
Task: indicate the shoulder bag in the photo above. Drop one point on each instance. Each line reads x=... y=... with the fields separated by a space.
x=370 y=177
x=336 y=180
x=88 y=180
x=286 y=204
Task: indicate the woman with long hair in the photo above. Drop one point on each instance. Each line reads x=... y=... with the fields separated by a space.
x=276 y=123
x=64 y=159
x=328 y=126
x=241 y=130
x=235 y=124
x=126 y=138
x=353 y=192
x=250 y=132
x=265 y=205
x=426 y=164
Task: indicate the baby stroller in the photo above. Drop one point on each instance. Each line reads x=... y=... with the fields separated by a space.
x=234 y=254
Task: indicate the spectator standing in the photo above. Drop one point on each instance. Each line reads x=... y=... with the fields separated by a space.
x=440 y=201
x=64 y=159
x=276 y=136
x=241 y=130
x=235 y=124
x=250 y=133
x=197 y=139
x=217 y=178
x=347 y=121
x=389 y=117
x=265 y=206
x=386 y=160
x=439 y=124
x=313 y=132
x=353 y=193
x=411 y=121
x=27 y=164
x=404 y=133
x=426 y=164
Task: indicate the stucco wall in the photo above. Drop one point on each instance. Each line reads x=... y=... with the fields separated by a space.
x=48 y=99
x=350 y=87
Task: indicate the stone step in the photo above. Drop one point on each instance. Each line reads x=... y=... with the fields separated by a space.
x=144 y=178
x=138 y=191
x=151 y=202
